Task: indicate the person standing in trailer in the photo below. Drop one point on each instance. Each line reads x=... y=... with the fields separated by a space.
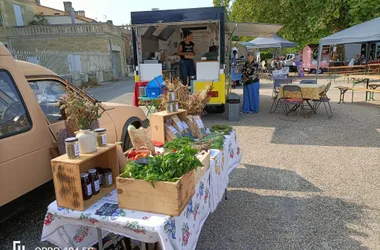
x=251 y=94
x=186 y=52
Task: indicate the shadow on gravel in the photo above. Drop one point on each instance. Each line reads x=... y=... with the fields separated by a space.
x=252 y=221
x=271 y=179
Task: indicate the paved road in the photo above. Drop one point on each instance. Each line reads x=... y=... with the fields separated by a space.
x=118 y=92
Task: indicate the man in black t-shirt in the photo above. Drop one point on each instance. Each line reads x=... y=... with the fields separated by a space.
x=186 y=52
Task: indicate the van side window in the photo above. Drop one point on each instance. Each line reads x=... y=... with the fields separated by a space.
x=14 y=117
x=48 y=93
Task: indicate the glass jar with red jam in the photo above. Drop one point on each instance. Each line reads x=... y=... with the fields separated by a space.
x=86 y=186
x=94 y=179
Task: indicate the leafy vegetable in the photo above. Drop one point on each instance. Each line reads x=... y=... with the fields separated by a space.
x=178 y=143
x=216 y=139
x=166 y=167
x=221 y=128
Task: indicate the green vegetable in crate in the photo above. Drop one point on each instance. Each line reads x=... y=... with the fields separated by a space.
x=178 y=143
x=216 y=139
x=221 y=128
x=166 y=167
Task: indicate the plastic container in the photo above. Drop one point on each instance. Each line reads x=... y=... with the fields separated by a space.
x=155 y=87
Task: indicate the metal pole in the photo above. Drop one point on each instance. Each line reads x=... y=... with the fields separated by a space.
x=318 y=59
x=100 y=239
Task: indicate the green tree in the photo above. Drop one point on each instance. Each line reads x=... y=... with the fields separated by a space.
x=304 y=21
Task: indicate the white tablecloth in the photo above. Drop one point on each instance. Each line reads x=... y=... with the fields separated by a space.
x=70 y=228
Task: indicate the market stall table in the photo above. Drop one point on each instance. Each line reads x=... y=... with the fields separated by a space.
x=71 y=228
x=309 y=92
x=366 y=79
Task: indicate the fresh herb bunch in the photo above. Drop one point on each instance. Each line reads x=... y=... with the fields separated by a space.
x=167 y=167
x=216 y=139
x=221 y=128
x=178 y=143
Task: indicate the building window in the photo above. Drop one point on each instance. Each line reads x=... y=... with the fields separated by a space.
x=14 y=117
x=18 y=14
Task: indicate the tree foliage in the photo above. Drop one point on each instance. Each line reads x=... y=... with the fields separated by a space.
x=304 y=22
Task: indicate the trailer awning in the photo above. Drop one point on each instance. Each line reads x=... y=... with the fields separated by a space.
x=253 y=29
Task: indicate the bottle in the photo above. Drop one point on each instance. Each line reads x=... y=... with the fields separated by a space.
x=94 y=179
x=86 y=186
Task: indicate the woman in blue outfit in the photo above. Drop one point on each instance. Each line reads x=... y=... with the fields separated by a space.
x=251 y=83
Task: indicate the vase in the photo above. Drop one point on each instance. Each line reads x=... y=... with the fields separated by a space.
x=86 y=141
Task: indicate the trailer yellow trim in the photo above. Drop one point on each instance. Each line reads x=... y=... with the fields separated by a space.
x=219 y=86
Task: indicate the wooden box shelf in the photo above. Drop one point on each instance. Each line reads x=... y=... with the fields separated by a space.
x=200 y=171
x=168 y=198
x=157 y=123
x=67 y=181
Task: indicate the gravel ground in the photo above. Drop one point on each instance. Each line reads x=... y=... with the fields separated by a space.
x=311 y=184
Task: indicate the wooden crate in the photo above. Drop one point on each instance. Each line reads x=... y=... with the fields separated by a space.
x=168 y=198
x=67 y=181
x=200 y=171
x=157 y=123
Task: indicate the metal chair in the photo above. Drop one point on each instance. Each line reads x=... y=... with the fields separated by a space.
x=297 y=102
x=325 y=100
x=276 y=90
x=308 y=82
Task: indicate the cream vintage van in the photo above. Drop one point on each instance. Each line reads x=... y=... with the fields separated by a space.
x=30 y=121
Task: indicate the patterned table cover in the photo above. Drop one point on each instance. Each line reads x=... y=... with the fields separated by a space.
x=71 y=228
x=309 y=91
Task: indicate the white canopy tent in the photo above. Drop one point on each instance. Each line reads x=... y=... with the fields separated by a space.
x=272 y=42
x=362 y=33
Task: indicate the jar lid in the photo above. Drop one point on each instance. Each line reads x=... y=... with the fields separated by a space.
x=71 y=139
x=84 y=175
x=100 y=130
x=92 y=171
x=107 y=170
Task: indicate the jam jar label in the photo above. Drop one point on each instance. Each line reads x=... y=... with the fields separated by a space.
x=89 y=189
x=104 y=139
x=110 y=179
x=96 y=185
x=76 y=149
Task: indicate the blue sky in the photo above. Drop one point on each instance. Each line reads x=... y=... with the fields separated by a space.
x=119 y=11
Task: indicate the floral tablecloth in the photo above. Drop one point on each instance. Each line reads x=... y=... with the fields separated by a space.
x=71 y=228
